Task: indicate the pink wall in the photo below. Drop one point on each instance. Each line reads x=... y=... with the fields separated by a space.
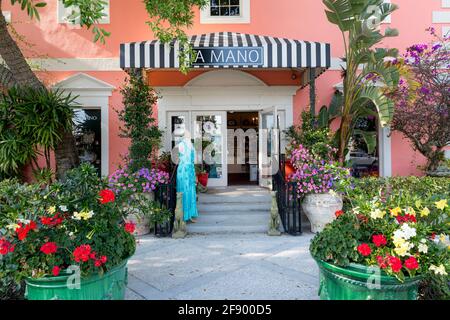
x=298 y=19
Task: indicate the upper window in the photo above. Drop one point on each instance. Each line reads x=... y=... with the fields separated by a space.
x=226 y=12
x=65 y=13
x=225 y=8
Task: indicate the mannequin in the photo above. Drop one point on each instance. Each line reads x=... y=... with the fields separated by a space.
x=186 y=180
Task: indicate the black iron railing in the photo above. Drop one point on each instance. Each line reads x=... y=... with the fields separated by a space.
x=166 y=197
x=289 y=204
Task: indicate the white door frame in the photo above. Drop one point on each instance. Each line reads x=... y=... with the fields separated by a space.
x=92 y=93
x=223 y=181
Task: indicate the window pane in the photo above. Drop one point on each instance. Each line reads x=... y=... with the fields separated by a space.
x=225 y=2
x=214 y=3
x=215 y=11
x=178 y=129
x=234 y=2
x=87 y=132
x=234 y=11
x=224 y=11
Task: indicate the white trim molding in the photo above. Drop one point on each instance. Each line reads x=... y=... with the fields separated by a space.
x=441 y=16
x=92 y=94
x=7 y=15
x=243 y=18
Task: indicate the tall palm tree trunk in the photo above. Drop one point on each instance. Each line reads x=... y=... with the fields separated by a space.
x=18 y=72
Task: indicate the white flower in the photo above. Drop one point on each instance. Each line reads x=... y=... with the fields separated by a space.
x=408 y=232
x=423 y=248
x=438 y=270
x=63 y=208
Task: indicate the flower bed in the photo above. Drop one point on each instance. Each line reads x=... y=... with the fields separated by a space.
x=77 y=223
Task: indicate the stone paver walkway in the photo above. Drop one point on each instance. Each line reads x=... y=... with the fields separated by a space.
x=223 y=266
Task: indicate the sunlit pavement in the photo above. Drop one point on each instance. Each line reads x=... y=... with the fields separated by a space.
x=223 y=266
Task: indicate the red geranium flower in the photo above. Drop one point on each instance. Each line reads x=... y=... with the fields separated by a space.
x=103 y=259
x=98 y=263
x=5 y=247
x=107 y=196
x=339 y=213
x=411 y=263
x=82 y=253
x=52 y=221
x=22 y=231
x=56 y=271
x=395 y=263
x=49 y=248
x=382 y=262
x=379 y=240
x=130 y=227
x=406 y=218
x=364 y=249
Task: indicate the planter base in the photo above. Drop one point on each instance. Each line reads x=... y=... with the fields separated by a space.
x=358 y=282
x=109 y=286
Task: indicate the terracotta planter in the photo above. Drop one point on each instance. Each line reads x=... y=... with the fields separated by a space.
x=288 y=170
x=203 y=179
x=320 y=209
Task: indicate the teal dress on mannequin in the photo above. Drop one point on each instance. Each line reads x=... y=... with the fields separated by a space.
x=186 y=182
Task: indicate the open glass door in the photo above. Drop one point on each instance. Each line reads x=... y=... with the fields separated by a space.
x=269 y=145
x=210 y=135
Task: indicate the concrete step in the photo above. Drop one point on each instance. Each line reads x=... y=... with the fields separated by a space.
x=237 y=220
x=261 y=207
x=237 y=212
x=246 y=198
x=205 y=229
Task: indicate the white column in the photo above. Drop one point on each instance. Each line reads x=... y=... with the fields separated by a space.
x=385 y=155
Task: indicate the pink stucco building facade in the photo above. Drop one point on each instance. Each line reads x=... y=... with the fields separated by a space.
x=66 y=57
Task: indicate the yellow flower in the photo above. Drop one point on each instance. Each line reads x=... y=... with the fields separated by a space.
x=377 y=214
x=418 y=204
x=438 y=270
x=51 y=210
x=441 y=205
x=398 y=242
x=442 y=238
x=83 y=215
x=402 y=251
x=411 y=211
x=12 y=226
x=396 y=211
x=425 y=212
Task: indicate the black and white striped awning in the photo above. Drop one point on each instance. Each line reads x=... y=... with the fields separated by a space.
x=238 y=51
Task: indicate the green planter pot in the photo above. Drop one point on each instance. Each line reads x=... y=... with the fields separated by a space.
x=109 y=286
x=358 y=282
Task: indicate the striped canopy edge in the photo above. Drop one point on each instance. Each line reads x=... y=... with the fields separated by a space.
x=279 y=53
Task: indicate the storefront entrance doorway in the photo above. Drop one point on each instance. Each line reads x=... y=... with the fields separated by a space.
x=243 y=148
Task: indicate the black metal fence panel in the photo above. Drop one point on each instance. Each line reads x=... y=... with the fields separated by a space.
x=166 y=197
x=288 y=201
